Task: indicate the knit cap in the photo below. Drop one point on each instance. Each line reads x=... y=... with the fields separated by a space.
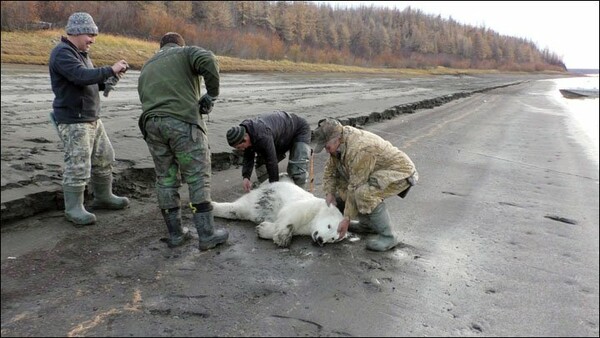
x=235 y=135
x=81 y=23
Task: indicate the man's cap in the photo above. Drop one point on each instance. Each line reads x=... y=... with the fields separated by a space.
x=235 y=135
x=81 y=23
x=326 y=130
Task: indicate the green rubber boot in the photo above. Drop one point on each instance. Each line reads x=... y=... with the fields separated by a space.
x=103 y=196
x=298 y=165
x=362 y=226
x=380 y=221
x=74 y=209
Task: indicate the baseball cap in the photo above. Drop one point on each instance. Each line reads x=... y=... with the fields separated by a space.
x=326 y=130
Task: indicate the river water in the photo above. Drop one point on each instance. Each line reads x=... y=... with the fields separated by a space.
x=583 y=112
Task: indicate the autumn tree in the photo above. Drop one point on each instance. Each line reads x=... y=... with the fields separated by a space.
x=300 y=31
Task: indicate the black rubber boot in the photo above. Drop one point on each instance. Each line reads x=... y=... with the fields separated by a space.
x=74 y=209
x=208 y=237
x=178 y=235
x=380 y=221
x=103 y=196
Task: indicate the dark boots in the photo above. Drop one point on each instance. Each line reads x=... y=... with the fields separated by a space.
x=178 y=235
x=298 y=165
x=208 y=237
x=380 y=222
x=74 y=209
x=103 y=196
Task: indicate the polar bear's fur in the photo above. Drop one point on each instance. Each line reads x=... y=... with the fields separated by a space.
x=282 y=210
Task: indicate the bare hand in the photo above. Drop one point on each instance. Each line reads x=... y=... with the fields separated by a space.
x=247 y=185
x=120 y=67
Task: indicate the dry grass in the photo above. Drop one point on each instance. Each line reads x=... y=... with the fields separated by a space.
x=33 y=47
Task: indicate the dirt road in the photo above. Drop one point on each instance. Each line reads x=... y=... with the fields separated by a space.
x=499 y=238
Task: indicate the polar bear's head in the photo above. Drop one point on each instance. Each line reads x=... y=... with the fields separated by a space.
x=326 y=224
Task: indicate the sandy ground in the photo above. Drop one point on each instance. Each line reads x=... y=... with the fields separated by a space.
x=499 y=239
x=32 y=152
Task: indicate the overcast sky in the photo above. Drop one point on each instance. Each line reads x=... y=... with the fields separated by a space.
x=568 y=29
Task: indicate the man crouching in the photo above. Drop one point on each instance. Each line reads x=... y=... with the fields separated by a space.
x=363 y=169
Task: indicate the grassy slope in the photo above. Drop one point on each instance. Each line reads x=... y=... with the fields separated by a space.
x=33 y=47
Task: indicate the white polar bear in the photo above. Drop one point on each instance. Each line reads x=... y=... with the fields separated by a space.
x=282 y=210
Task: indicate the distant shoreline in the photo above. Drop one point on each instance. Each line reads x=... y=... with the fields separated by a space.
x=583 y=70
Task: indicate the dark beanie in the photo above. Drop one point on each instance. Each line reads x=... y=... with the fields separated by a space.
x=235 y=135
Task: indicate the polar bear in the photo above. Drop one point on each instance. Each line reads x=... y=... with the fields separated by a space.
x=281 y=210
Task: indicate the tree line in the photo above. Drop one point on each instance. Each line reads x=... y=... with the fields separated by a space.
x=300 y=31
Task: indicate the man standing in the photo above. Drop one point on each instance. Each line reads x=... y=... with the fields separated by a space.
x=176 y=134
x=76 y=115
x=363 y=169
x=267 y=138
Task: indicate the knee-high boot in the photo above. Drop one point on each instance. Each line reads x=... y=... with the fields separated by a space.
x=362 y=226
x=380 y=221
x=103 y=196
x=298 y=163
x=74 y=209
x=178 y=235
x=208 y=237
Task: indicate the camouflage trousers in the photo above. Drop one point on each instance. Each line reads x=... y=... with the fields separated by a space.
x=181 y=153
x=366 y=197
x=87 y=151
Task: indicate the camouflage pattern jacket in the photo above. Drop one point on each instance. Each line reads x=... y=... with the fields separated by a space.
x=366 y=170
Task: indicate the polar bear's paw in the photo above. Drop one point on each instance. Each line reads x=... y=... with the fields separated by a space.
x=266 y=230
x=283 y=237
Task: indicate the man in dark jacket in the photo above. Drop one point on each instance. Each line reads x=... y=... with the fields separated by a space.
x=76 y=115
x=173 y=126
x=267 y=138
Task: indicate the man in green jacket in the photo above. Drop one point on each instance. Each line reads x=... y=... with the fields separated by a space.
x=173 y=126
x=363 y=170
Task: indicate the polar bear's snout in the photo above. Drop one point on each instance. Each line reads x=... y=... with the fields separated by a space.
x=317 y=239
x=329 y=237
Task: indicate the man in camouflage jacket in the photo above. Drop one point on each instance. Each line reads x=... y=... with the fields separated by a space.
x=363 y=170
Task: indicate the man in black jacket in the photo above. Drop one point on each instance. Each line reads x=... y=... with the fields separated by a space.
x=267 y=138
x=76 y=107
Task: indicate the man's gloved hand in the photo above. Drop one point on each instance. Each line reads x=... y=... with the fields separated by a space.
x=206 y=104
x=111 y=82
